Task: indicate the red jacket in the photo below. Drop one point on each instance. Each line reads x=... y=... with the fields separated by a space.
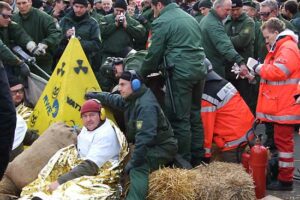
x=225 y=115
x=280 y=75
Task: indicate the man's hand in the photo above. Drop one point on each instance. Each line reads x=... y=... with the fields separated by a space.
x=244 y=70
x=31 y=46
x=24 y=69
x=40 y=50
x=53 y=186
x=91 y=95
x=70 y=32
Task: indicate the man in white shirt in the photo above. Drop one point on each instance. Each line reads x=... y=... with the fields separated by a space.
x=97 y=143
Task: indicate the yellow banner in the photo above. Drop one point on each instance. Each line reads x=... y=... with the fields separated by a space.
x=63 y=95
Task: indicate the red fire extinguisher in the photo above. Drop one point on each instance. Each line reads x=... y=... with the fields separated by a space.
x=255 y=164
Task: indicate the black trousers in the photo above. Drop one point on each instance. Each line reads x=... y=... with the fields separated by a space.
x=7 y=121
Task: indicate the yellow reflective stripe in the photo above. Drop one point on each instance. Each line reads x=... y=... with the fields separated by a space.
x=285 y=154
x=278 y=118
x=283 y=68
x=286 y=82
x=285 y=164
x=208 y=109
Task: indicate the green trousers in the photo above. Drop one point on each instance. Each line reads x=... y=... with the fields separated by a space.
x=186 y=121
x=156 y=158
x=138 y=189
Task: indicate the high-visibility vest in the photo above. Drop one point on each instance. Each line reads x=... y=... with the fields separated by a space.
x=225 y=115
x=280 y=75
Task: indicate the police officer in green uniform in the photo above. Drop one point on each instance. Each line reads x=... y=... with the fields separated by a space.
x=42 y=29
x=241 y=30
x=118 y=31
x=217 y=45
x=10 y=32
x=146 y=126
x=176 y=39
x=85 y=27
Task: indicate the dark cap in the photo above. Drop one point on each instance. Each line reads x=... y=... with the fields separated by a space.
x=196 y=6
x=13 y=81
x=82 y=2
x=121 y=4
x=237 y=3
x=250 y=3
x=205 y=4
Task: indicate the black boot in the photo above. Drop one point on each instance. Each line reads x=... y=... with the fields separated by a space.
x=280 y=186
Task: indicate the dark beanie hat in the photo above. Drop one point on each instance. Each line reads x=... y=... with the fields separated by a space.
x=83 y=2
x=237 y=3
x=250 y=3
x=121 y=4
x=205 y=4
x=13 y=81
x=196 y=6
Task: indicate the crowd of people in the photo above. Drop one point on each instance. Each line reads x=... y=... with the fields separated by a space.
x=223 y=63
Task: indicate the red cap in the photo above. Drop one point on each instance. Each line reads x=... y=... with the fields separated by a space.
x=91 y=105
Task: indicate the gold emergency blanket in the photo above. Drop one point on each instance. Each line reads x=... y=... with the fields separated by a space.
x=24 y=111
x=105 y=185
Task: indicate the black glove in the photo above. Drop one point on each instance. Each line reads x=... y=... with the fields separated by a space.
x=24 y=69
x=128 y=167
x=91 y=95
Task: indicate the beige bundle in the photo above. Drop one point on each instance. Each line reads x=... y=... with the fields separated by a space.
x=213 y=182
x=25 y=168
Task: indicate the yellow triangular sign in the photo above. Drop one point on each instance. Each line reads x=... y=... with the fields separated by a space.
x=63 y=96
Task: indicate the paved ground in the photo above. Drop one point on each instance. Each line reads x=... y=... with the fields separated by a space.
x=295 y=194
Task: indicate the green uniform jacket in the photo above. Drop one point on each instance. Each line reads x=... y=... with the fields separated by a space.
x=146 y=126
x=86 y=29
x=41 y=27
x=14 y=34
x=217 y=45
x=149 y=15
x=260 y=50
x=7 y=56
x=96 y=16
x=242 y=34
x=198 y=17
x=175 y=35
x=296 y=21
x=116 y=39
